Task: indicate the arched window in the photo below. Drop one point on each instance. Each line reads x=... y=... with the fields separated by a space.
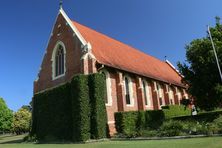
x=147 y=93
x=108 y=94
x=58 y=61
x=171 y=95
x=160 y=94
x=128 y=91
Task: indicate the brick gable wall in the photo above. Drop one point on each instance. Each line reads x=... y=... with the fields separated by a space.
x=73 y=54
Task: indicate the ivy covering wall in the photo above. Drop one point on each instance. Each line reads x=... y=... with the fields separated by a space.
x=72 y=112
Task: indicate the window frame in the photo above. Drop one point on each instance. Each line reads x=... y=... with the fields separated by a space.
x=147 y=93
x=53 y=59
x=130 y=87
x=160 y=88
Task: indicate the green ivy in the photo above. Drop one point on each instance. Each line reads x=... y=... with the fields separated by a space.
x=66 y=112
x=98 y=108
x=81 y=108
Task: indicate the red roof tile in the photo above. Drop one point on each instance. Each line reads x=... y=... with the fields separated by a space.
x=116 y=54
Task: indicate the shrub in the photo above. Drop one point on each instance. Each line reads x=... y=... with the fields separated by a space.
x=51 y=114
x=216 y=125
x=195 y=127
x=190 y=127
x=30 y=138
x=133 y=123
x=141 y=121
x=80 y=108
x=171 y=128
x=98 y=108
x=21 y=121
x=64 y=113
x=175 y=111
x=154 y=119
x=186 y=102
x=202 y=117
x=126 y=123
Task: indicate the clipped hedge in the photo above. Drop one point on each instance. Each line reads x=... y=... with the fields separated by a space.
x=80 y=108
x=51 y=114
x=98 y=108
x=154 y=118
x=71 y=112
x=175 y=111
x=132 y=122
x=126 y=123
x=202 y=117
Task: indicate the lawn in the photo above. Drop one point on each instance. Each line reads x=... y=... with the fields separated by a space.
x=211 y=142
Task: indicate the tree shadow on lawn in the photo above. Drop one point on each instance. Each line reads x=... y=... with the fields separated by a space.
x=12 y=141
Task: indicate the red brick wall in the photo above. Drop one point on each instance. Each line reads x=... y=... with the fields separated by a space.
x=166 y=95
x=154 y=97
x=73 y=55
x=176 y=100
x=111 y=109
x=140 y=94
x=120 y=91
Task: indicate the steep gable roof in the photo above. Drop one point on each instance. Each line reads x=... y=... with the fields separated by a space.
x=113 y=53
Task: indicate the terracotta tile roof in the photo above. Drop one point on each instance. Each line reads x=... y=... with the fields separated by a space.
x=116 y=54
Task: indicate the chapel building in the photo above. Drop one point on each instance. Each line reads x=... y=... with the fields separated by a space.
x=134 y=80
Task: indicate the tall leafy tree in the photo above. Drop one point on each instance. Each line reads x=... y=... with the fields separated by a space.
x=22 y=121
x=200 y=70
x=6 y=117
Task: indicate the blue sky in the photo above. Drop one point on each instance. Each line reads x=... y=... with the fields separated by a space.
x=157 y=27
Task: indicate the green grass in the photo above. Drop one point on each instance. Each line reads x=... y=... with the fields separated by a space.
x=211 y=142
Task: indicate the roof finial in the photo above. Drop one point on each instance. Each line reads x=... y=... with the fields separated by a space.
x=165 y=57
x=60 y=4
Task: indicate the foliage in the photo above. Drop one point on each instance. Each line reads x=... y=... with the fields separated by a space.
x=80 y=108
x=171 y=128
x=6 y=117
x=27 y=107
x=201 y=72
x=30 y=138
x=21 y=121
x=154 y=119
x=126 y=123
x=64 y=113
x=132 y=123
x=98 y=108
x=52 y=118
x=185 y=102
x=202 y=117
x=175 y=111
x=216 y=125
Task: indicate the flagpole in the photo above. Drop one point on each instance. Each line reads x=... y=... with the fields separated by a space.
x=215 y=53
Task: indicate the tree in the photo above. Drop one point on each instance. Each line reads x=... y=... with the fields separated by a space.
x=6 y=117
x=22 y=121
x=27 y=107
x=200 y=70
